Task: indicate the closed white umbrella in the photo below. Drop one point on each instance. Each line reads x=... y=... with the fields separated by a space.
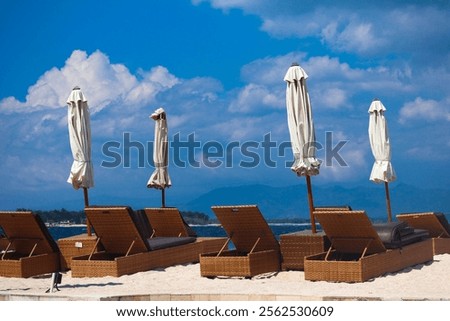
x=79 y=125
x=301 y=129
x=160 y=178
x=382 y=170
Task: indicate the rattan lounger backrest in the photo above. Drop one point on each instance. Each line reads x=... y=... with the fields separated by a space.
x=167 y=222
x=245 y=224
x=350 y=231
x=25 y=230
x=428 y=221
x=116 y=229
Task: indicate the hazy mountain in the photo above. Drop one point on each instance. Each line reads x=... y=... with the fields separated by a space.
x=291 y=201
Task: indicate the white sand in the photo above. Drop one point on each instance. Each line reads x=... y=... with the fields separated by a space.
x=429 y=281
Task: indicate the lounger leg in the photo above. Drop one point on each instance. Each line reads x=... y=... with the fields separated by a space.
x=93 y=249
x=224 y=246
x=32 y=250
x=254 y=246
x=328 y=253
x=365 y=249
x=6 y=250
x=129 y=249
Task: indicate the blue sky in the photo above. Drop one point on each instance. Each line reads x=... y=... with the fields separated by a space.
x=217 y=67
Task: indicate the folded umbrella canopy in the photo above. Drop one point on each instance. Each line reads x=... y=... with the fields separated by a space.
x=301 y=129
x=160 y=177
x=79 y=125
x=382 y=170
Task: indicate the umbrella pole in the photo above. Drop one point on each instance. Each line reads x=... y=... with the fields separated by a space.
x=86 y=204
x=163 y=197
x=388 y=201
x=311 y=204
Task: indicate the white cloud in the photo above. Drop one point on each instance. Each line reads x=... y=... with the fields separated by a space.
x=156 y=80
x=333 y=98
x=422 y=109
x=254 y=98
x=356 y=37
x=103 y=83
x=11 y=104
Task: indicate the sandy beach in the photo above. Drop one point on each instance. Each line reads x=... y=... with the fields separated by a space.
x=428 y=281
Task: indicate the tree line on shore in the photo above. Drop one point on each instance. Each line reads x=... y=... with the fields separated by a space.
x=78 y=217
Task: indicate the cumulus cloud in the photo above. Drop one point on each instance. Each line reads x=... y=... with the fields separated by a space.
x=103 y=83
x=154 y=81
x=356 y=37
x=253 y=98
x=423 y=109
x=333 y=98
x=11 y=104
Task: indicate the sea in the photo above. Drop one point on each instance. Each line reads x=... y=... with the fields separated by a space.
x=210 y=230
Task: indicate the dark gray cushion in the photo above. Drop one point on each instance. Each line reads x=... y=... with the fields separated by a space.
x=397 y=234
x=142 y=224
x=189 y=229
x=46 y=233
x=157 y=243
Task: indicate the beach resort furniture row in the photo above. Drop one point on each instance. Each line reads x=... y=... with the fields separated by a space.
x=125 y=243
x=353 y=250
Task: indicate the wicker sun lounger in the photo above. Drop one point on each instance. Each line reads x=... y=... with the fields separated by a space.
x=357 y=253
x=435 y=223
x=27 y=248
x=124 y=235
x=168 y=221
x=256 y=248
x=296 y=245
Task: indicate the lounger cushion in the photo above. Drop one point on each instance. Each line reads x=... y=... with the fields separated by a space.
x=157 y=243
x=190 y=230
x=143 y=225
x=47 y=234
x=397 y=234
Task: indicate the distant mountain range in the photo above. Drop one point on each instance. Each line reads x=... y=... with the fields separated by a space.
x=291 y=201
